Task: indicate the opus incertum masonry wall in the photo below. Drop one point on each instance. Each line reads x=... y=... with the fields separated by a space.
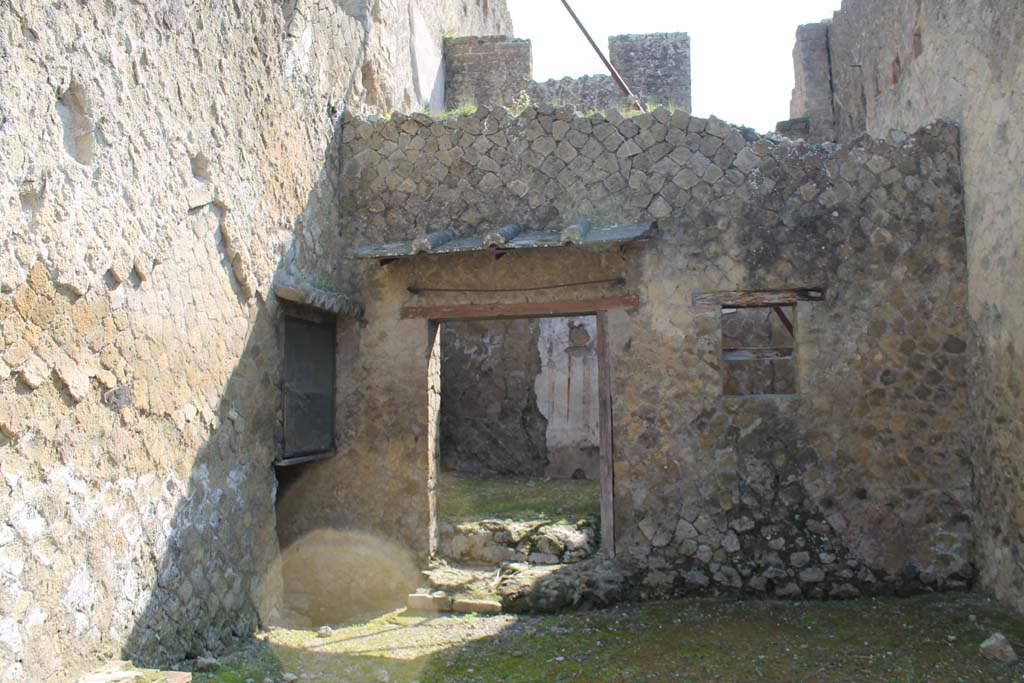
x=498 y=70
x=900 y=65
x=859 y=483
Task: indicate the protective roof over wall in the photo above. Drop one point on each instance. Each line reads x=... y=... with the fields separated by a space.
x=301 y=292
x=510 y=237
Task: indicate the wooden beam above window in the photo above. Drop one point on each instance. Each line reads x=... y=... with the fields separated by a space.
x=551 y=309
x=759 y=297
x=767 y=353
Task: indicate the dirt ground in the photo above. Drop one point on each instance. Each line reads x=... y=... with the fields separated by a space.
x=926 y=638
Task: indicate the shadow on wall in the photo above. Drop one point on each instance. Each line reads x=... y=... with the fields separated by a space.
x=211 y=580
x=219 y=573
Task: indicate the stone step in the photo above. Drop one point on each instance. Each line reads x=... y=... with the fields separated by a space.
x=427 y=600
x=477 y=582
x=492 y=542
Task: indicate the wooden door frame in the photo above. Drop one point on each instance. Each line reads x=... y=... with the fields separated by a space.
x=604 y=393
x=599 y=309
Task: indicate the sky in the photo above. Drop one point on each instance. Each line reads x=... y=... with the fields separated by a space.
x=741 y=51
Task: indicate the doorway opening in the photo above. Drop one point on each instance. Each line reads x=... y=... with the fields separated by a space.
x=519 y=436
x=522 y=455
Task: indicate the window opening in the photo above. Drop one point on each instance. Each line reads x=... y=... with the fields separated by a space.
x=309 y=349
x=759 y=351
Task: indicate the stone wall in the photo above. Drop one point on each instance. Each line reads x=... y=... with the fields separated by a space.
x=812 y=89
x=497 y=70
x=490 y=421
x=656 y=66
x=860 y=483
x=585 y=93
x=899 y=64
x=486 y=69
x=160 y=162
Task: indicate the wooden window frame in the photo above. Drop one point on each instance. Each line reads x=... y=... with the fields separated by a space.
x=309 y=317
x=754 y=354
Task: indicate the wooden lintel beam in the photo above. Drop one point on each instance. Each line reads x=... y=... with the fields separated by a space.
x=755 y=298
x=787 y=323
x=552 y=309
x=757 y=354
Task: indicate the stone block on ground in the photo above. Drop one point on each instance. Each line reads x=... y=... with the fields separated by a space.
x=428 y=602
x=997 y=647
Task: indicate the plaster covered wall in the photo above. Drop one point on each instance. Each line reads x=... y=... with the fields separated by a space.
x=159 y=162
x=567 y=395
x=899 y=64
x=860 y=484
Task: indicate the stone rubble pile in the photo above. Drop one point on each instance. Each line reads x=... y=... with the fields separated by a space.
x=492 y=542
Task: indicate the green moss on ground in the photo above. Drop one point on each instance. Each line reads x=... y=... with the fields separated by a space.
x=463 y=498
x=927 y=638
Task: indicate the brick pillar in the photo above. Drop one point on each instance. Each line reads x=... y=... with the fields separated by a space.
x=656 y=66
x=812 y=91
x=489 y=70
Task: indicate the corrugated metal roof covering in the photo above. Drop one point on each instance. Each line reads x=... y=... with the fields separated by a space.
x=508 y=238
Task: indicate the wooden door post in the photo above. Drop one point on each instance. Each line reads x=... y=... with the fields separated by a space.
x=604 y=383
